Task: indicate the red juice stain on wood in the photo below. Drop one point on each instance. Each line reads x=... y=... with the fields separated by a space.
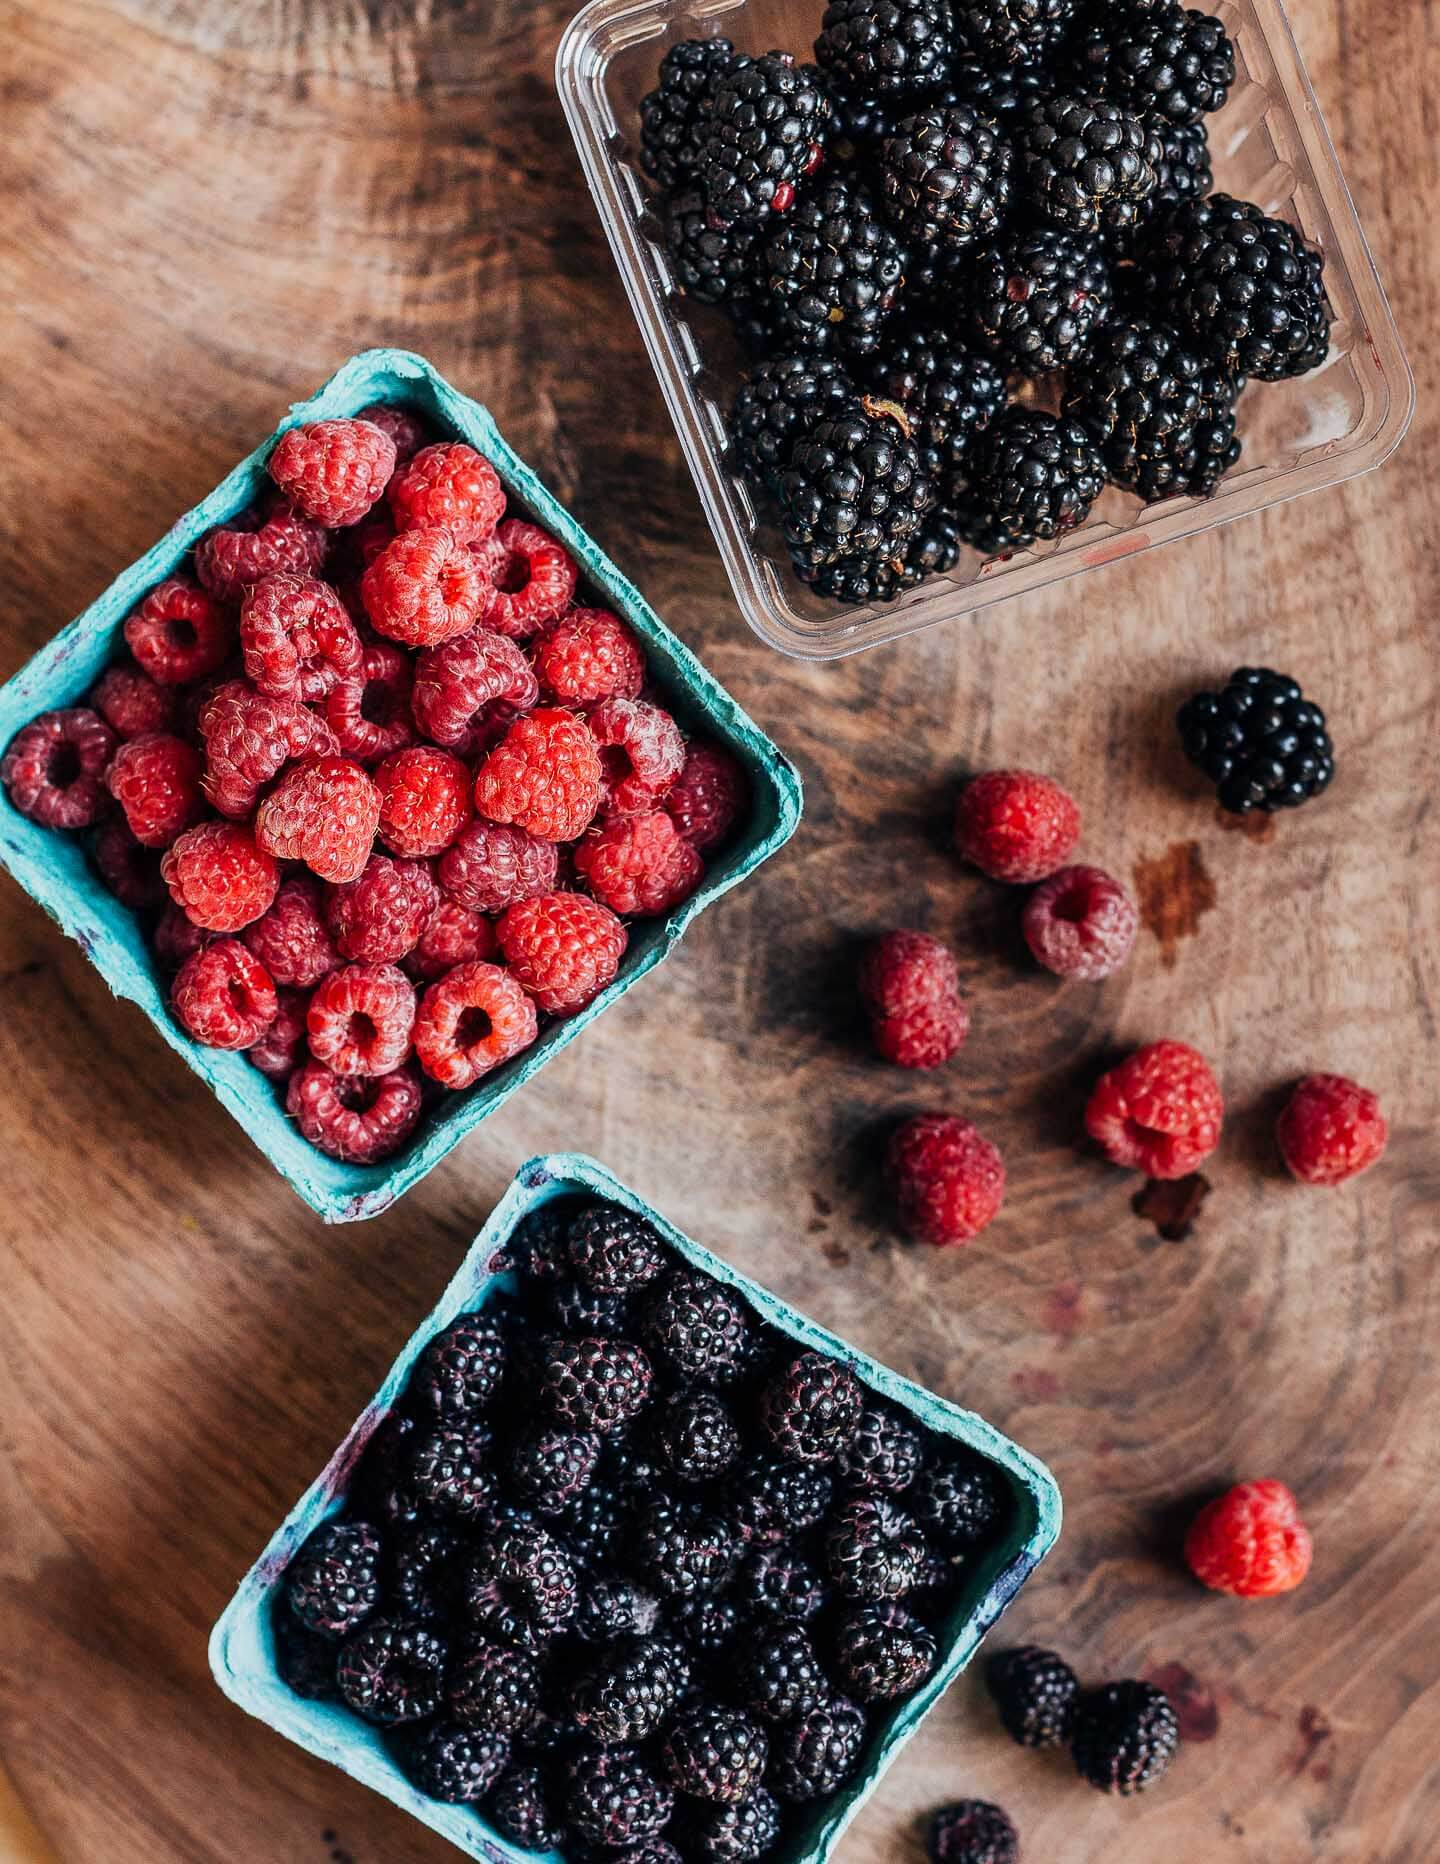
x=1175 y=892
x=1035 y=1384
x=835 y=1253
x=1172 y=1204
x=1314 y=1730
x=1194 y=1702
x=1256 y=826
x=1062 y=1315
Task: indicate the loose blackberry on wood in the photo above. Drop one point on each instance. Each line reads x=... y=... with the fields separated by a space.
x=1259 y=740
x=946 y=176
x=1084 y=164
x=1035 y=1692
x=763 y=133
x=972 y=1831
x=885 y=48
x=834 y=269
x=671 y=114
x=1038 y=299
x=1125 y=1736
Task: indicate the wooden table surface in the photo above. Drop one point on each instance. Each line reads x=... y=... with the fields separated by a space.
x=203 y=208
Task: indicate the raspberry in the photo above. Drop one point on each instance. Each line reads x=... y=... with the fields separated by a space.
x=281 y=1048
x=423 y=588
x=563 y=948
x=470 y=1022
x=1331 y=1129
x=638 y=864
x=218 y=875
x=291 y=940
x=453 y=935
x=408 y=433
x=1251 y=1541
x=297 y=638
x=258 y=543
x=1158 y=1112
x=55 y=768
x=335 y=470
x=532 y=578
x=360 y=1018
x=708 y=798
x=463 y=687
x=911 y=990
x=369 y=713
x=323 y=812
x=590 y=655
x=379 y=916
x=130 y=870
x=450 y=484
x=177 y=937
x=354 y=1117
x=492 y=865
x=179 y=634
x=544 y=776
x=131 y=703
x=641 y=753
x=1015 y=825
x=223 y=996
x=249 y=737
x=156 y=781
x=1080 y=923
x=947 y=1180
x=424 y=800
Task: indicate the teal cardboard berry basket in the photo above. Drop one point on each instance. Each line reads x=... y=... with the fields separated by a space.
x=52 y=866
x=242 y=1645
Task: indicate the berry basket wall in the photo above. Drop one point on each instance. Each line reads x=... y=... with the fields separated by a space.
x=53 y=869
x=1269 y=145
x=242 y=1646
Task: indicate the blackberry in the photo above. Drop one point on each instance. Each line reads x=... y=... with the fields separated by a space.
x=946 y=176
x=834 y=269
x=933 y=551
x=492 y=1687
x=883 y=1651
x=450 y=1470
x=423 y=1570
x=811 y=1411
x=579 y=1310
x=854 y=486
x=1246 y=289
x=549 y=1468
x=1173 y=61
x=522 y=1809
x=610 y=1610
x=1035 y=475
x=460 y=1370
x=688 y=1552
x=707 y=1624
x=780 y=1675
x=1185 y=172
x=454 y=1764
x=631 y=1693
x=884 y=1454
x=713 y=262
x=1086 y=165
x=715 y=1753
x=739 y=1833
x=671 y=114
x=1259 y=740
x=972 y=1831
x=763 y=133
x=594 y=1384
x=698 y=1329
x=305 y=1660
x=1037 y=300
x=1125 y=1736
x=537 y=1247
x=983 y=530
x=1003 y=92
x=776 y=396
x=949 y=394
x=613 y=1251
x=961 y=1502
x=627 y=1466
x=816 y=1753
x=333 y=1583
x=1034 y=1692
x=594 y=1525
x=873 y=1549
x=393 y=1670
x=381 y=1488
x=696 y=1437
x=1163 y=419
x=1012 y=32
x=885 y=48
x=520 y=1585
x=777 y=1582
x=613 y=1799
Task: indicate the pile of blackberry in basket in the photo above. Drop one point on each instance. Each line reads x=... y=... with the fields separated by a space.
x=975 y=254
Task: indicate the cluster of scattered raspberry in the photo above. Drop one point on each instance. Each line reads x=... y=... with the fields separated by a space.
x=386 y=786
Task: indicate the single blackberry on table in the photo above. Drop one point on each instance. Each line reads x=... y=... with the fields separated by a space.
x=1124 y=1737
x=333 y=1583
x=671 y=114
x=972 y=1831
x=459 y=1372
x=873 y=1549
x=811 y=1409
x=706 y=1624
x=613 y=1799
x=696 y=1437
x=780 y=1675
x=950 y=394
x=1259 y=740
x=934 y=550
x=961 y=1502
x=612 y=1250
x=716 y=1753
x=1162 y=417
x=774 y=398
x=595 y=1525
x=1002 y=92
x=763 y=133
x=393 y=1670
x=1086 y=165
x=580 y=1310
x=834 y=270
x=1012 y=32
x=450 y=1470
x=739 y=1833
x=520 y=1585
x=714 y=261
x=945 y=174
x=779 y=1583
x=1035 y=1692
x=594 y=1384
x=853 y=486
x=883 y=1455
x=423 y=1576
x=1171 y=60
x=883 y=1651
x=688 y=1552
x=885 y=48
x=630 y=1693
x=1246 y=289
x=305 y=1660
x=1035 y=475
x=454 y=1764
x=817 y=1752
x=522 y=1808
x=611 y=1610
x=493 y=1687
x=1038 y=299
x=549 y=1468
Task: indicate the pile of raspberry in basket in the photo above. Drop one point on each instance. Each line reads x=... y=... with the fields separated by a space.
x=383 y=784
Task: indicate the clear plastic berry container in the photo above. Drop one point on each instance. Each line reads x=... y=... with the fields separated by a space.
x=242 y=1645
x=1269 y=145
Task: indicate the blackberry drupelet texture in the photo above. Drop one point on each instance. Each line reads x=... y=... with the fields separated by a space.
x=1035 y=1693
x=972 y=1831
x=854 y=486
x=763 y=133
x=1038 y=299
x=883 y=1651
x=949 y=394
x=780 y=1675
x=1036 y=474
x=697 y=1329
x=1259 y=741
x=1086 y=165
x=1176 y=62
x=946 y=176
x=713 y=1752
x=811 y=1410
x=393 y=1670
x=833 y=269
x=885 y=48
x=631 y=1693
x=333 y=1583
x=1125 y=1736
x=816 y=1753
x=612 y=1250
x=776 y=396
x=671 y=114
x=1012 y=32
x=454 y=1764
x=714 y=261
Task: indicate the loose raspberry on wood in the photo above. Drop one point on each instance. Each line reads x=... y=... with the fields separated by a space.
x=1015 y=825
x=1250 y=1542
x=1080 y=923
x=1158 y=1112
x=947 y=1179
x=1331 y=1130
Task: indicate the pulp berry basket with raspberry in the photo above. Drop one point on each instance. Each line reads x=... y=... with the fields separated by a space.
x=450 y=1571
x=375 y=780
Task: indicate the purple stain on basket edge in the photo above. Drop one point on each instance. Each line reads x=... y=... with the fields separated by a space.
x=341 y=1467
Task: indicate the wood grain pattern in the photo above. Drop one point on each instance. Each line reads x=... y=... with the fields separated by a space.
x=204 y=208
